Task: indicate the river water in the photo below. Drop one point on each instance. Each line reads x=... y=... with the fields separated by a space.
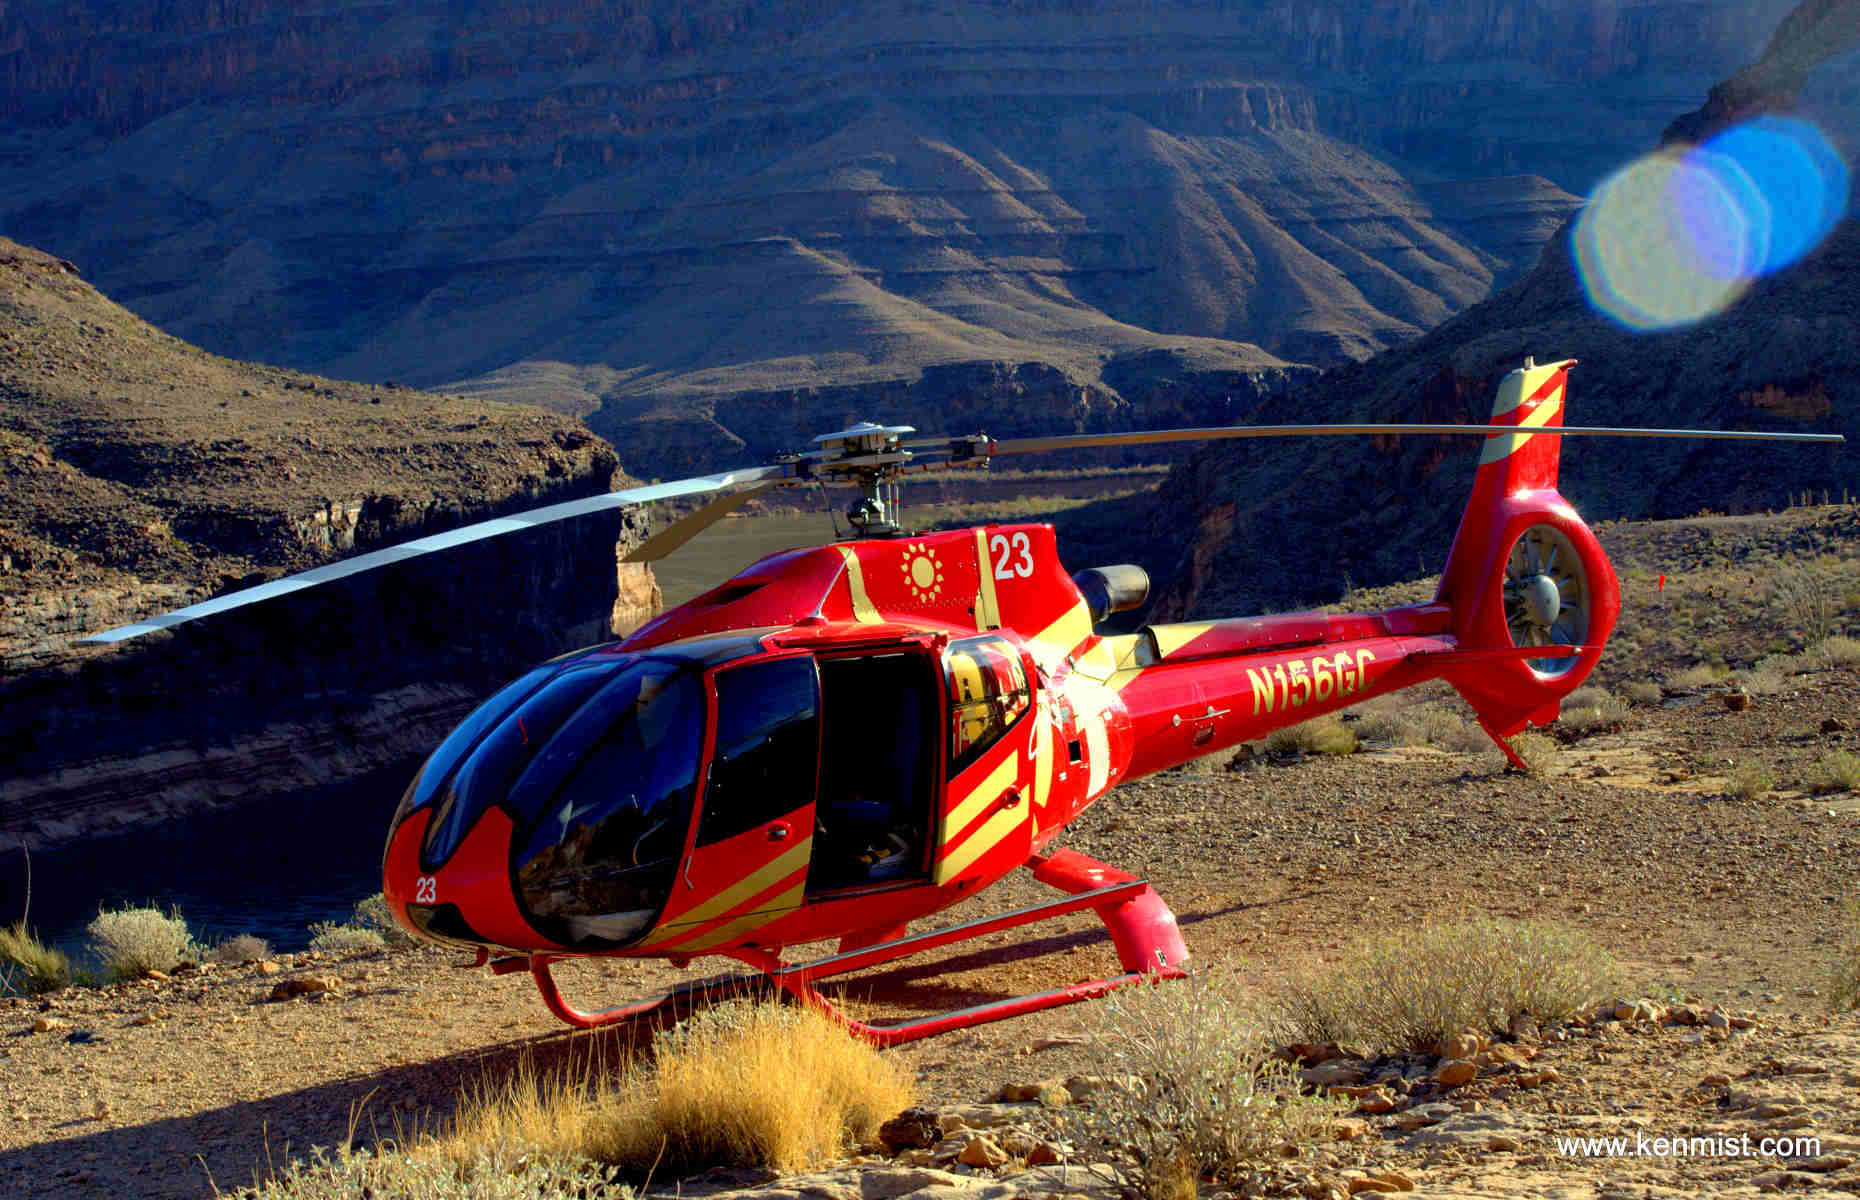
x=270 y=868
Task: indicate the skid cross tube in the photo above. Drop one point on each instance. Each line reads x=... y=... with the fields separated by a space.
x=1152 y=952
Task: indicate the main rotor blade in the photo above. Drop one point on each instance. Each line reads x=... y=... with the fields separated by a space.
x=1223 y=432
x=441 y=541
x=689 y=526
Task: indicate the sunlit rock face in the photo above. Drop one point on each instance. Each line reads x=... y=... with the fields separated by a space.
x=638 y=212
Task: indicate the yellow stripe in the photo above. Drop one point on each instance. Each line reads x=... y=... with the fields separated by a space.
x=985 y=793
x=987 y=607
x=791 y=860
x=855 y=583
x=1064 y=635
x=730 y=930
x=1170 y=638
x=1503 y=447
x=990 y=835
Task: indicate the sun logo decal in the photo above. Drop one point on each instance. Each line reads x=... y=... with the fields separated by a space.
x=923 y=575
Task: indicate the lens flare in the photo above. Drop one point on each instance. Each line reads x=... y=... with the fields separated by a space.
x=1638 y=247
x=1676 y=236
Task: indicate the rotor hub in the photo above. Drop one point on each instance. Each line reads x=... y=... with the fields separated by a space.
x=1540 y=599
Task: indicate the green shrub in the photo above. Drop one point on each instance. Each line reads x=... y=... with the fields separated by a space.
x=1539 y=751
x=133 y=941
x=1199 y=1096
x=1410 y=988
x=373 y=913
x=27 y=965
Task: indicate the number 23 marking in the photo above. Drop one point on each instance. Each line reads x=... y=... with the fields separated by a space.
x=426 y=890
x=1022 y=565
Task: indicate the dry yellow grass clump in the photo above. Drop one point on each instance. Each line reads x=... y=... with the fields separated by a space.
x=741 y=1084
x=27 y=965
x=1412 y=987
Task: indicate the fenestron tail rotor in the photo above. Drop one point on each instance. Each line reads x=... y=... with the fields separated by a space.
x=874 y=458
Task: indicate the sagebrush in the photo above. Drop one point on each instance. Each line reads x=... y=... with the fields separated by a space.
x=1194 y=1091
x=132 y=941
x=1410 y=988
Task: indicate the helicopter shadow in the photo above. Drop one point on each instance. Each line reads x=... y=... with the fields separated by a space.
x=237 y=1144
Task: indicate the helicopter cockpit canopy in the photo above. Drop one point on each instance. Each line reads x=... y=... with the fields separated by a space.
x=597 y=759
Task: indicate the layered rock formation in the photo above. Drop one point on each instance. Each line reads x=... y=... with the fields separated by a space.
x=641 y=212
x=1277 y=526
x=138 y=474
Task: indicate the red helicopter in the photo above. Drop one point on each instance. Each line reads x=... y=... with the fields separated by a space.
x=847 y=738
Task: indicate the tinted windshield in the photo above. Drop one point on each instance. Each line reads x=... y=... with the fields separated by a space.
x=606 y=806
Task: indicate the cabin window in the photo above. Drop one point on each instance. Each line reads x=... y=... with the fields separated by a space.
x=768 y=743
x=988 y=694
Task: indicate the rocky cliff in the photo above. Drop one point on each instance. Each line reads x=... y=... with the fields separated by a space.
x=639 y=212
x=138 y=474
x=1280 y=525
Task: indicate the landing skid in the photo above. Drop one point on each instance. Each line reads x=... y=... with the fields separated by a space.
x=1149 y=947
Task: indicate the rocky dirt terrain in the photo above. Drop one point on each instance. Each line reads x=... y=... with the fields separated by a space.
x=1724 y=914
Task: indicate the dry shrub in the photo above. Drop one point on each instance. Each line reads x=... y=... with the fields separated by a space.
x=242 y=948
x=1806 y=601
x=1412 y=987
x=1845 y=991
x=1590 y=709
x=741 y=1084
x=1645 y=693
x=1693 y=678
x=1196 y=1093
x=1749 y=781
x=1320 y=735
x=1836 y=772
x=332 y=938
x=1539 y=751
x=132 y=941
x=28 y=966
x=1830 y=653
x=503 y=1170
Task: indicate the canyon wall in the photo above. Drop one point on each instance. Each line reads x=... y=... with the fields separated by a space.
x=639 y=212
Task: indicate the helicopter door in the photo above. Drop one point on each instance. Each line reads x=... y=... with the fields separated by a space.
x=751 y=845
x=877 y=771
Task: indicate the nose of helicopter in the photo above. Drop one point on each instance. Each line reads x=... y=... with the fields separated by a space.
x=507 y=836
